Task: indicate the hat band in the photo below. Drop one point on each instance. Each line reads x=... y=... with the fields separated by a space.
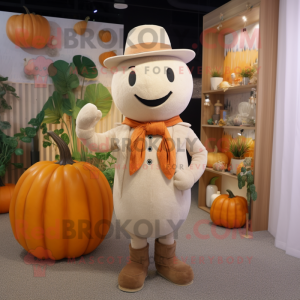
x=146 y=47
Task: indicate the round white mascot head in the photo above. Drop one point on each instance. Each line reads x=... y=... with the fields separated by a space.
x=152 y=81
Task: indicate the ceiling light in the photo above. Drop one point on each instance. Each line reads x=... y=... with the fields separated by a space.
x=244 y=18
x=120 y=5
x=95 y=10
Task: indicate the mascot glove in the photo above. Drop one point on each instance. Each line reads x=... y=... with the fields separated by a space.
x=184 y=179
x=86 y=120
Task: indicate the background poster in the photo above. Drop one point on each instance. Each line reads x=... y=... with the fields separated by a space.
x=13 y=58
x=241 y=50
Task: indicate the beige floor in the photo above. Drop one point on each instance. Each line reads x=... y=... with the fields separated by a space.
x=229 y=268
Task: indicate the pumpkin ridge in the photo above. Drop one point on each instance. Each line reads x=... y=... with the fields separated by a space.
x=37 y=171
x=14 y=218
x=44 y=169
x=89 y=205
x=43 y=209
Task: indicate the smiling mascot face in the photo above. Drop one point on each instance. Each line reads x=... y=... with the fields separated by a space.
x=152 y=88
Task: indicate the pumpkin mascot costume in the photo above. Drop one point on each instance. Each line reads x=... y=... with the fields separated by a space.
x=152 y=185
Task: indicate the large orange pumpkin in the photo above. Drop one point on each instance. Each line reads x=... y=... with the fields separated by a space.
x=214 y=157
x=28 y=30
x=229 y=211
x=6 y=193
x=63 y=208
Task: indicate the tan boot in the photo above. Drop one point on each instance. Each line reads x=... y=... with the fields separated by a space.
x=132 y=277
x=170 y=267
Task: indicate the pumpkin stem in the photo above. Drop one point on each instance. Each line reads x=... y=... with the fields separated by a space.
x=27 y=10
x=230 y=193
x=64 y=151
x=1 y=182
x=87 y=18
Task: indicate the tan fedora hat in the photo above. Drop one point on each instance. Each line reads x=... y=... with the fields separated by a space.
x=148 y=40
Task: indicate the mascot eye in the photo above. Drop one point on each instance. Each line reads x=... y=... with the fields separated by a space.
x=132 y=78
x=170 y=74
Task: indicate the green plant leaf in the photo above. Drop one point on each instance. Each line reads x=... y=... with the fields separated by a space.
x=76 y=155
x=44 y=129
x=53 y=109
x=85 y=67
x=254 y=196
x=19 y=151
x=4 y=125
x=22 y=130
x=67 y=107
x=102 y=156
x=57 y=157
x=109 y=174
x=4 y=104
x=9 y=87
x=60 y=131
x=2 y=170
x=18 y=135
x=64 y=76
x=81 y=103
x=46 y=144
x=30 y=132
x=40 y=117
x=33 y=122
x=3 y=78
x=26 y=139
x=65 y=138
x=75 y=108
x=46 y=137
x=99 y=95
x=18 y=165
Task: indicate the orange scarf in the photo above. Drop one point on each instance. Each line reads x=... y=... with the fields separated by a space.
x=166 y=152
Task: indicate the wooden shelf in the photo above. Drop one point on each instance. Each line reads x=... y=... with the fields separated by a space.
x=221 y=173
x=233 y=90
x=205 y=208
x=230 y=127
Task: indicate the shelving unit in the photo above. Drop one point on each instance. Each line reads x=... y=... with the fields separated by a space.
x=266 y=13
x=229 y=127
x=232 y=90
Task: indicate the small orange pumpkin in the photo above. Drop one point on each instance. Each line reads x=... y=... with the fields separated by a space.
x=63 y=208
x=214 y=157
x=229 y=211
x=106 y=55
x=80 y=27
x=6 y=193
x=28 y=30
x=105 y=36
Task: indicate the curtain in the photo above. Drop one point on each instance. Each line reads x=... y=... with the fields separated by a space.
x=284 y=212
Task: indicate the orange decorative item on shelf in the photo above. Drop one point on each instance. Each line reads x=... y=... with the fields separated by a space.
x=106 y=55
x=105 y=36
x=229 y=211
x=80 y=27
x=213 y=157
x=6 y=193
x=28 y=30
x=63 y=208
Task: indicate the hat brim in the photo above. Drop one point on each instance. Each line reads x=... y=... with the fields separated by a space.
x=186 y=55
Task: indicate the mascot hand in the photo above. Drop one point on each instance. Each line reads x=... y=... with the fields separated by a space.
x=183 y=180
x=88 y=117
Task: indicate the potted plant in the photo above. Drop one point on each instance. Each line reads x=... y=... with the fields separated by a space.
x=246 y=176
x=216 y=79
x=238 y=148
x=246 y=74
